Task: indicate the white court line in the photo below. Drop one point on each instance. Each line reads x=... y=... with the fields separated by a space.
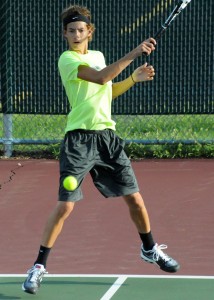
x=115 y=275
x=113 y=289
x=119 y=281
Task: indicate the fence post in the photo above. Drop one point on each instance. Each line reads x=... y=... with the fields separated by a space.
x=8 y=134
x=6 y=75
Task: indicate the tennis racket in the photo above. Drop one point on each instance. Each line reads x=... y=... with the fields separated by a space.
x=176 y=11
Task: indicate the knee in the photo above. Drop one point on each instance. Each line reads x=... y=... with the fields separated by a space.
x=135 y=201
x=63 y=209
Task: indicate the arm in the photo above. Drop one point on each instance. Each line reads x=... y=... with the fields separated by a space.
x=113 y=70
x=143 y=73
x=119 y=88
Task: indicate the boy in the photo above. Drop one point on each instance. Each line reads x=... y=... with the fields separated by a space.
x=90 y=144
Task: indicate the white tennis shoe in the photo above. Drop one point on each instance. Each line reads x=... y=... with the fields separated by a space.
x=33 y=281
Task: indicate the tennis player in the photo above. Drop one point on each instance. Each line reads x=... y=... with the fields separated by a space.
x=90 y=144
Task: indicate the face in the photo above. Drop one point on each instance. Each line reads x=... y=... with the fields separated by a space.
x=77 y=34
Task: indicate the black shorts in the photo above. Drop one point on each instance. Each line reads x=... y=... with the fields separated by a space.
x=100 y=153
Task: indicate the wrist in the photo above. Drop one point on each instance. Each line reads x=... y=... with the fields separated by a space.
x=133 y=78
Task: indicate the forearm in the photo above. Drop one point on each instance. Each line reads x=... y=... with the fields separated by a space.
x=113 y=70
x=108 y=73
x=121 y=87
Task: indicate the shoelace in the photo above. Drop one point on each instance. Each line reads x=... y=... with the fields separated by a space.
x=36 y=273
x=158 y=253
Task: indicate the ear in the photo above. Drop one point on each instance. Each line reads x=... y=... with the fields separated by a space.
x=89 y=33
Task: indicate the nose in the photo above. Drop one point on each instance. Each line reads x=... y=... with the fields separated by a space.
x=76 y=33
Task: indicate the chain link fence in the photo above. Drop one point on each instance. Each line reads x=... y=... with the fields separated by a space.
x=177 y=107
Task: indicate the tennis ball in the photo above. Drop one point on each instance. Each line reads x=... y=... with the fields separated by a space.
x=70 y=183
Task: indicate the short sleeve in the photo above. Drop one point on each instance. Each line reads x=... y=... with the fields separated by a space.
x=68 y=66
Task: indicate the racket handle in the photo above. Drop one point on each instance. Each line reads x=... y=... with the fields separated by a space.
x=159 y=33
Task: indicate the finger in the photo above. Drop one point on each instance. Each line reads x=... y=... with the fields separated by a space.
x=153 y=41
x=147 y=48
x=150 y=69
x=150 y=45
x=151 y=75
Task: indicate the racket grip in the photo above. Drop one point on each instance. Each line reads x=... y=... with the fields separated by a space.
x=159 y=33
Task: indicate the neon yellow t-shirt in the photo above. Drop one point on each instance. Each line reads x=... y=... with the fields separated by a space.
x=90 y=102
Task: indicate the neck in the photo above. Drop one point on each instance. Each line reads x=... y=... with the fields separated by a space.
x=85 y=51
x=79 y=48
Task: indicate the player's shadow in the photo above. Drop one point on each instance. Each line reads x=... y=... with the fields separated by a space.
x=4 y=297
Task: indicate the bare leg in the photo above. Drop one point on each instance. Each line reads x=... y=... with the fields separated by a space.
x=138 y=212
x=55 y=223
x=140 y=218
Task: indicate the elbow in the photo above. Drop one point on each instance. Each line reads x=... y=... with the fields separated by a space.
x=101 y=80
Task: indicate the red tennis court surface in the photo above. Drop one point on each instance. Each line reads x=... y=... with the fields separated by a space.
x=99 y=237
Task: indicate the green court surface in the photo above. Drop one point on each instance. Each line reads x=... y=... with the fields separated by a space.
x=115 y=287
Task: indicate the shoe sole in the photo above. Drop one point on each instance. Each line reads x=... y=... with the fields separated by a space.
x=27 y=291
